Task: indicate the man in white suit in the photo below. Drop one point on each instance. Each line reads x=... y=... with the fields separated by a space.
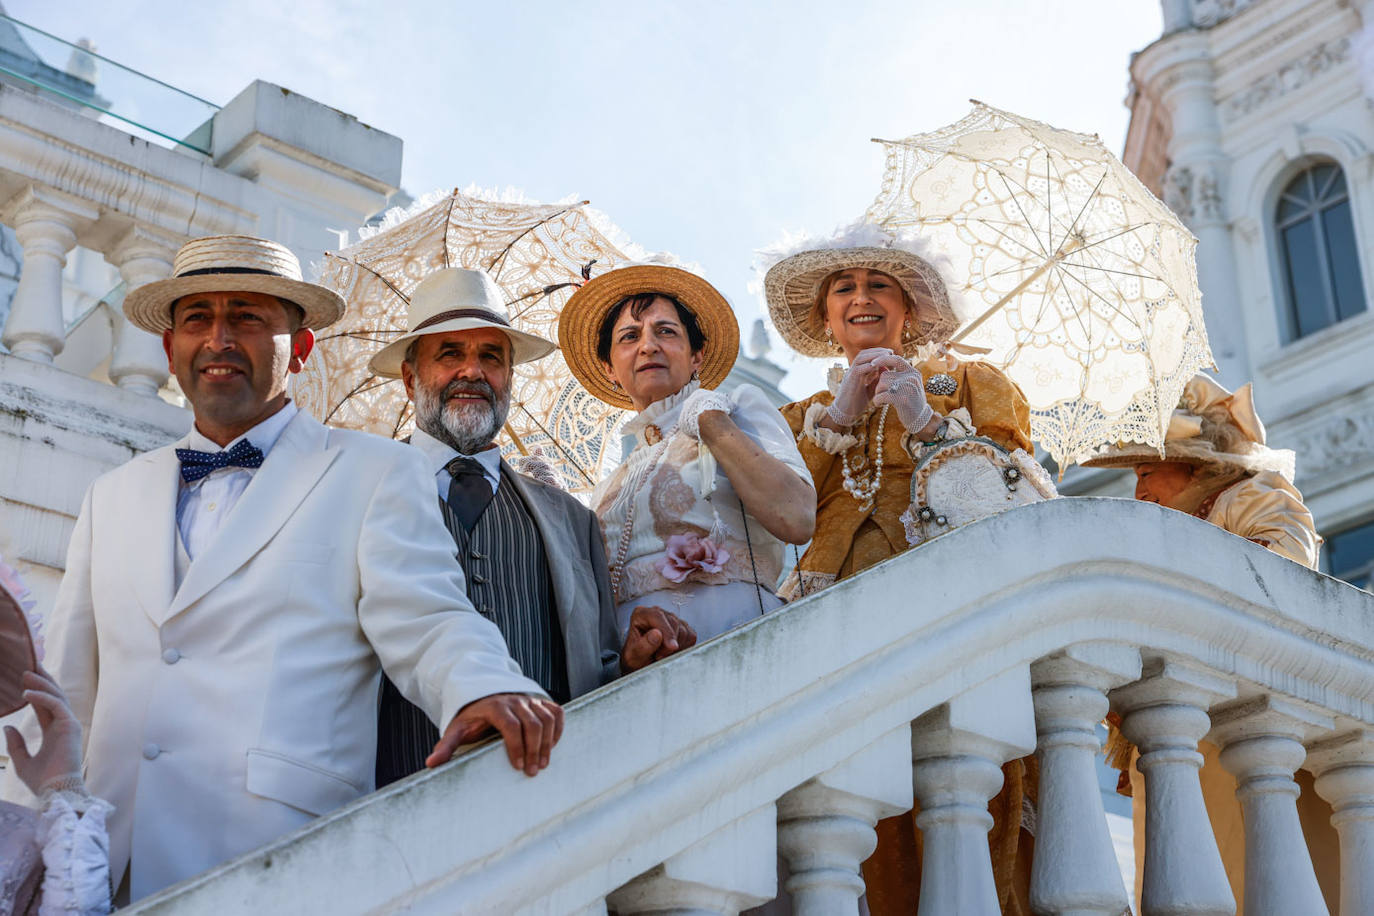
x=230 y=602
x=534 y=556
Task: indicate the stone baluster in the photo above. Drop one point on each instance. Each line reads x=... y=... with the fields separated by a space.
x=733 y=868
x=1165 y=714
x=1344 y=767
x=45 y=223
x=139 y=363
x=1261 y=740
x=1075 y=869
x=825 y=825
x=957 y=752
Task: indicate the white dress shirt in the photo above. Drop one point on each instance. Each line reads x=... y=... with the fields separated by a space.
x=203 y=505
x=439 y=454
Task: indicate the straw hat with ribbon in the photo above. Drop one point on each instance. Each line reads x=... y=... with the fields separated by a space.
x=232 y=263
x=580 y=323
x=1211 y=428
x=457 y=299
x=793 y=285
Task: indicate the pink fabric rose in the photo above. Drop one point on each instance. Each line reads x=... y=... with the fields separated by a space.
x=687 y=553
x=10 y=580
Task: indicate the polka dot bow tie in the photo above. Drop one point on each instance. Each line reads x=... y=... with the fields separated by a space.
x=195 y=465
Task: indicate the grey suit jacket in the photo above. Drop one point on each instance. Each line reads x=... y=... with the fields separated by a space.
x=576 y=556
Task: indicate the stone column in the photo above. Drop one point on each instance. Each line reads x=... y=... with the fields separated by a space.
x=1261 y=740
x=1195 y=188
x=45 y=222
x=1344 y=767
x=1164 y=715
x=1075 y=869
x=825 y=825
x=957 y=752
x=139 y=363
x=734 y=868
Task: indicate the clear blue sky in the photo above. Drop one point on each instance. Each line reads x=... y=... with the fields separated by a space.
x=702 y=128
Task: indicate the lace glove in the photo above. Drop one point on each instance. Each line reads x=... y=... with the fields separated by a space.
x=855 y=390
x=57 y=762
x=76 y=858
x=697 y=403
x=537 y=465
x=904 y=391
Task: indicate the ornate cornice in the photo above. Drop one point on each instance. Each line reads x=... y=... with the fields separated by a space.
x=1291 y=76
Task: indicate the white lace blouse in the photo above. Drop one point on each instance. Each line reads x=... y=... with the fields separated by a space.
x=687 y=526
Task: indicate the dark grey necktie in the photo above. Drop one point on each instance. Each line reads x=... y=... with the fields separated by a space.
x=468 y=492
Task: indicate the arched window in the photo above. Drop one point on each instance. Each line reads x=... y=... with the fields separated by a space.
x=1321 y=263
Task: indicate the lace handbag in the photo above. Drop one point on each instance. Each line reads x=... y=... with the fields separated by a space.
x=964 y=477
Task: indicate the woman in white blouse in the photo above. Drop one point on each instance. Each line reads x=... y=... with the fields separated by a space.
x=696 y=516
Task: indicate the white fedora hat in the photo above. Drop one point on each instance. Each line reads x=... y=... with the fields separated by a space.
x=237 y=264
x=457 y=299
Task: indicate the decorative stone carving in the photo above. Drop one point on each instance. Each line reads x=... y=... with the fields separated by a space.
x=1207 y=194
x=1291 y=76
x=1207 y=13
x=1178 y=191
x=45 y=224
x=1193 y=192
x=1343 y=441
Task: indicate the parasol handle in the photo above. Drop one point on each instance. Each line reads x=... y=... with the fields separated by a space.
x=519 y=446
x=1074 y=244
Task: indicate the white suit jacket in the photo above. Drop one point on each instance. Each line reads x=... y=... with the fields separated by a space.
x=224 y=714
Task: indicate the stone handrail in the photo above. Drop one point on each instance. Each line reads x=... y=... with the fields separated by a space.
x=672 y=789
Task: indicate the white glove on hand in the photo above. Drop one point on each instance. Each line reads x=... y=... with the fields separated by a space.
x=537 y=465
x=857 y=388
x=905 y=391
x=57 y=763
x=697 y=403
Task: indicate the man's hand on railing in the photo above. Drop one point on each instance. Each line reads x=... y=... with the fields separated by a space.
x=530 y=726
x=654 y=634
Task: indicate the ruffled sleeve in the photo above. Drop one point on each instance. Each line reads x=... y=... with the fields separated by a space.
x=819 y=459
x=1269 y=510
x=76 y=856
x=758 y=419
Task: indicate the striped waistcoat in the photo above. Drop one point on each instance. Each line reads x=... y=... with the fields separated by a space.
x=508 y=582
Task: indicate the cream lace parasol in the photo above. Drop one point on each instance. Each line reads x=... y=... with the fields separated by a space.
x=538 y=253
x=1078 y=281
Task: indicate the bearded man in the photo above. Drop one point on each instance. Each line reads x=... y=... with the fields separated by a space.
x=533 y=555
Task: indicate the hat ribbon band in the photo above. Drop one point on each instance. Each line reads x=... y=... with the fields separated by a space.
x=205 y=271
x=460 y=313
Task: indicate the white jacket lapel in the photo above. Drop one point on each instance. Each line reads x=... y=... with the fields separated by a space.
x=297 y=461
x=151 y=509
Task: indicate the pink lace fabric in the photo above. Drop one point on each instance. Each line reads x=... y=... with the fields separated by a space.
x=21 y=867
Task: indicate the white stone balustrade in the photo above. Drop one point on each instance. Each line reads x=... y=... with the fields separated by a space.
x=142 y=256
x=45 y=223
x=1261 y=740
x=957 y=752
x=1074 y=869
x=825 y=825
x=1344 y=767
x=1165 y=715
x=663 y=790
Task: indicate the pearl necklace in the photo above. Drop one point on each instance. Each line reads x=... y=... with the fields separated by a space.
x=864 y=491
x=627 y=529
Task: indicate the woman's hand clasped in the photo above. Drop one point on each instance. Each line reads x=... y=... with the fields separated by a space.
x=904 y=390
x=862 y=383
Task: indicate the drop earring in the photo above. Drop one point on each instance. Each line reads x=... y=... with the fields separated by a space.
x=829 y=336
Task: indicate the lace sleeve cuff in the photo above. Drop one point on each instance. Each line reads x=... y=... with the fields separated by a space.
x=826 y=439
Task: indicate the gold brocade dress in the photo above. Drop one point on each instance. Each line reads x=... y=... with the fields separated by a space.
x=849 y=539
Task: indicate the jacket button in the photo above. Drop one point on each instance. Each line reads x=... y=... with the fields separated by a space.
x=171 y=656
x=150 y=751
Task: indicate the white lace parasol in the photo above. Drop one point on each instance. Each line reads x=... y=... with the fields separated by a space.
x=1078 y=281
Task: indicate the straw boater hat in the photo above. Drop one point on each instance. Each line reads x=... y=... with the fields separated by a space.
x=793 y=283
x=232 y=263
x=1212 y=428
x=581 y=319
x=457 y=299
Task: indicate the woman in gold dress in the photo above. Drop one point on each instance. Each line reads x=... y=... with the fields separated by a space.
x=875 y=301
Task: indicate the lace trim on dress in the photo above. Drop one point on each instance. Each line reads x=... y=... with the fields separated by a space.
x=76 y=855
x=794 y=587
x=829 y=440
x=639 y=424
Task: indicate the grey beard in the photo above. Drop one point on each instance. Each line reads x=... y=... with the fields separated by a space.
x=466 y=428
